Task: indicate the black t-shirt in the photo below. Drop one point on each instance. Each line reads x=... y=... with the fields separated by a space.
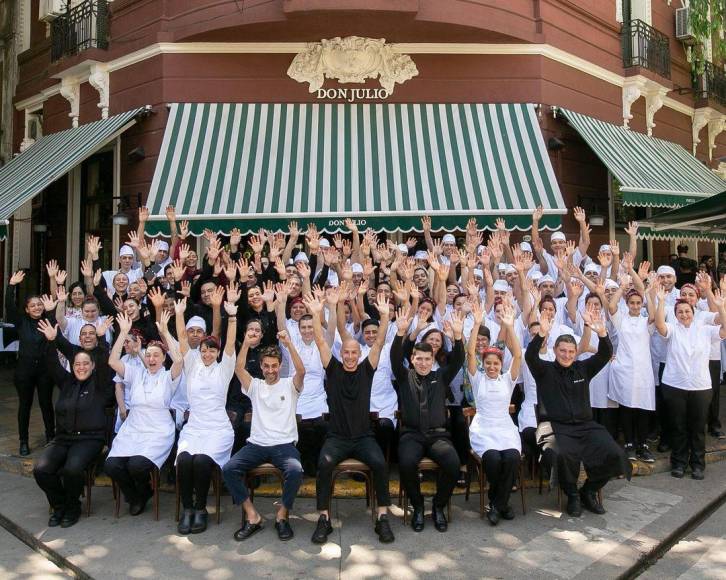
x=349 y=398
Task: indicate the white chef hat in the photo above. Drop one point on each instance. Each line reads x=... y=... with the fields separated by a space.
x=502 y=267
x=592 y=267
x=510 y=268
x=545 y=278
x=163 y=246
x=300 y=257
x=501 y=286
x=611 y=284
x=403 y=248
x=534 y=275
x=558 y=236
x=197 y=322
x=606 y=248
x=333 y=278
x=421 y=255
x=478 y=273
x=324 y=243
x=448 y=239
x=665 y=270
x=526 y=247
x=356 y=268
x=126 y=250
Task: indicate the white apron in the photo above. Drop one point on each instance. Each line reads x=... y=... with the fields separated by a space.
x=149 y=429
x=492 y=426
x=133 y=361
x=631 y=376
x=208 y=430
x=600 y=383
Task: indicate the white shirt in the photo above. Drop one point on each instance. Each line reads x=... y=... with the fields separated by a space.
x=73 y=329
x=273 y=412
x=312 y=401
x=687 y=354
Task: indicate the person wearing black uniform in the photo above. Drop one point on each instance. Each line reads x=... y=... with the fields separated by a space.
x=348 y=387
x=31 y=371
x=566 y=431
x=422 y=395
x=80 y=413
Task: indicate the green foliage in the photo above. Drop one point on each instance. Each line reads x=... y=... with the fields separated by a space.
x=706 y=18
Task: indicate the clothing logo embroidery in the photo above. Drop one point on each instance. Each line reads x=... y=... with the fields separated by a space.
x=578 y=380
x=282 y=397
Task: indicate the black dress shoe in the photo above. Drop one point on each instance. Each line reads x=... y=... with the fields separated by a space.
x=417 y=519
x=591 y=502
x=284 y=531
x=199 y=521
x=185 y=523
x=24 y=448
x=697 y=473
x=439 y=517
x=574 y=506
x=138 y=506
x=55 y=518
x=493 y=515
x=322 y=530
x=70 y=518
x=248 y=530
x=678 y=472
x=507 y=513
x=384 y=531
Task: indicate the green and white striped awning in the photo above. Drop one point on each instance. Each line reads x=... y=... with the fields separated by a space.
x=385 y=165
x=652 y=172
x=51 y=157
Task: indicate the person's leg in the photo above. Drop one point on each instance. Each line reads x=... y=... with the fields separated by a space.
x=117 y=469
x=529 y=442
x=662 y=413
x=287 y=459
x=249 y=457
x=714 y=422
x=311 y=434
x=627 y=422
x=676 y=403
x=410 y=452
x=384 y=431
x=459 y=434
x=140 y=469
x=443 y=453
x=492 y=462
x=366 y=450
x=641 y=422
x=45 y=400
x=185 y=479
x=203 y=467
x=697 y=417
x=334 y=450
x=25 y=387
x=80 y=455
x=509 y=467
x=47 y=473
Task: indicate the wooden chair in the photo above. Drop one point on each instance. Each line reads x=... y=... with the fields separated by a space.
x=155 y=477
x=476 y=461
x=89 y=475
x=216 y=486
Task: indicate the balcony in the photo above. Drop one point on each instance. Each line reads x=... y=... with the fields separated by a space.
x=711 y=84
x=646 y=47
x=81 y=27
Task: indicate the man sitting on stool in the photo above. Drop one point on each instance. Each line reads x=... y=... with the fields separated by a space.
x=273 y=435
x=422 y=395
x=348 y=386
x=566 y=428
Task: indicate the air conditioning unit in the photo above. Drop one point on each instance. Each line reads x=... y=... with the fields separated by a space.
x=683 y=26
x=51 y=9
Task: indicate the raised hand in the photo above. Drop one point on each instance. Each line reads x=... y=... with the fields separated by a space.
x=61 y=294
x=243 y=267
x=48 y=330
x=170 y=213
x=97 y=277
x=143 y=214
x=507 y=316
x=52 y=268
x=134 y=240
x=576 y=288
x=284 y=337
x=233 y=292
x=303 y=268
x=180 y=306
x=537 y=214
x=383 y=306
x=104 y=326
x=230 y=308
x=124 y=323
x=163 y=324
x=184 y=230
x=156 y=297
x=177 y=270
x=579 y=215
x=217 y=296
x=235 y=237
x=545 y=325
x=403 y=319
x=313 y=304
x=476 y=311
x=644 y=270
x=17 y=278
x=186 y=288
x=268 y=292
x=457 y=323
x=426 y=223
x=632 y=229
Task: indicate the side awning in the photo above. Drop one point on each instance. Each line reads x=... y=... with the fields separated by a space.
x=703 y=220
x=26 y=175
x=652 y=172
x=384 y=165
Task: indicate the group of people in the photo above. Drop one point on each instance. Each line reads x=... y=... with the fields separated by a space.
x=303 y=350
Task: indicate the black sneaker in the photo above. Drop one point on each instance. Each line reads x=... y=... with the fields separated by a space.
x=493 y=515
x=630 y=452
x=24 y=449
x=574 y=506
x=284 y=531
x=697 y=473
x=384 y=531
x=678 y=472
x=55 y=518
x=322 y=530
x=645 y=455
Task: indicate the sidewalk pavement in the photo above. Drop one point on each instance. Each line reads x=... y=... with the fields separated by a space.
x=545 y=543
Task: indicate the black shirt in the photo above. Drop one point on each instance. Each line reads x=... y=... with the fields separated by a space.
x=349 y=398
x=563 y=393
x=33 y=345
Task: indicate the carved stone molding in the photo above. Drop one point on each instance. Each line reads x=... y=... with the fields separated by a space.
x=99 y=80
x=715 y=126
x=654 y=93
x=351 y=60
x=701 y=118
x=632 y=89
x=71 y=91
x=653 y=103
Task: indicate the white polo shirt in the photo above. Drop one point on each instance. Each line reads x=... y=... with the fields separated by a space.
x=687 y=355
x=273 y=412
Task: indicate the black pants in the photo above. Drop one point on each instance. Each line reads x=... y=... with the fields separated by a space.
x=365 y=449
x=414 y=446
x=132 y=475
x=59 y=471
x=385 y=433
x=459 y=433
x=501 y=470
x=714 y=422
x=310 y=438
x=608 y=418
x=688 y=411
x=661 y=410
x=567 y=445
x=529 y=442
x=635 y=424
x=195 y=476
x=29 y=375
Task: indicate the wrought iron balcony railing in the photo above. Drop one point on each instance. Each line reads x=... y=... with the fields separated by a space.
x=711 y=84
x=646 y=47
x=80 y=27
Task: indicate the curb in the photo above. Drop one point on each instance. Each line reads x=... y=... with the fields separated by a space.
x=48 y=553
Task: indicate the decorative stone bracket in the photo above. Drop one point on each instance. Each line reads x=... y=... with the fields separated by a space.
x=99 y=80
x=71 y=91
x=640 y=86
x=716 y=122
x=351 y=60
x=715 y=126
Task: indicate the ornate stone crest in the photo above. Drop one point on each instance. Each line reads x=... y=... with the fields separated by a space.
x=351 y=60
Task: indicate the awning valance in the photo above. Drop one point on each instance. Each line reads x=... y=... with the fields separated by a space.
x=384 y=165
x=652 y=172
x=52 y=156
x=704 y=220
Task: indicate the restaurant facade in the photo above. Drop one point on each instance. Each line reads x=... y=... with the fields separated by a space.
x=252 y=113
